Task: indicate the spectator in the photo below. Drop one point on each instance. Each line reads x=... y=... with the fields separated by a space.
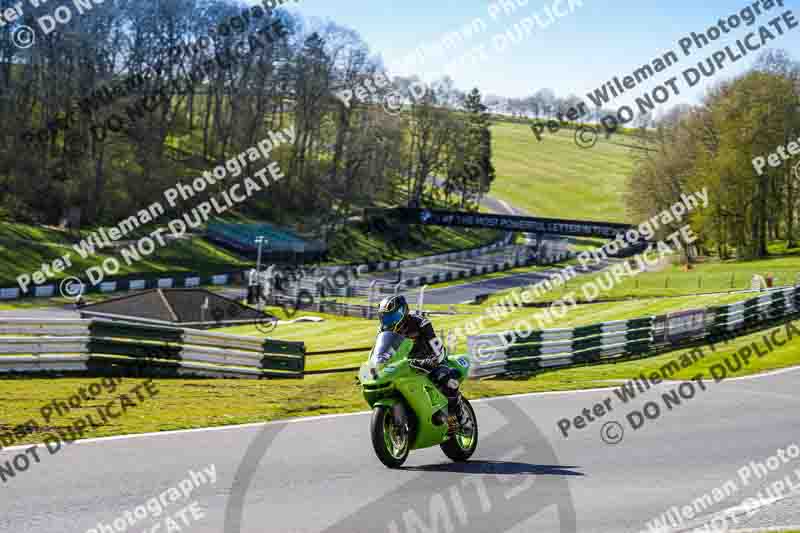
x=252 y=286
x=770 y=280
x=758 y=282
x=251 y=294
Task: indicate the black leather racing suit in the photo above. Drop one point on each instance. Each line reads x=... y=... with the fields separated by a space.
x=428 y=353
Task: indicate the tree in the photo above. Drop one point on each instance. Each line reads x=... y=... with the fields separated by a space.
x=713 y=146
x=480 y=172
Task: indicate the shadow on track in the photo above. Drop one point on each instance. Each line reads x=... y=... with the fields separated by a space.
x=509 y=468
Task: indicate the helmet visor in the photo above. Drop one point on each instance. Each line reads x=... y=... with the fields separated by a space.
x=390 y=320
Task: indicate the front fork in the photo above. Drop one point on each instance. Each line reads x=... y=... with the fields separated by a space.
x=399 y=415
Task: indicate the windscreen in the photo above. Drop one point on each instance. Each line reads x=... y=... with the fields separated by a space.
x=386 y=344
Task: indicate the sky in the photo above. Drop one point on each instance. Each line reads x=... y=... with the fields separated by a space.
x=592 y=42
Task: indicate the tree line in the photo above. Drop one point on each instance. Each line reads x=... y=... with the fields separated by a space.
x=545 y=103
x=713 y=145
x=343 y=158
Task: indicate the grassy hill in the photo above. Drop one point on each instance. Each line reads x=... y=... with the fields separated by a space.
x=24 y=248
x=555 y=178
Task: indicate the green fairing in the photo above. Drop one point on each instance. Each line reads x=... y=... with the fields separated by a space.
x=393 y=381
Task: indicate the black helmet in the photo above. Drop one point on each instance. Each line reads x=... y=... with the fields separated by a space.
x=391 y=312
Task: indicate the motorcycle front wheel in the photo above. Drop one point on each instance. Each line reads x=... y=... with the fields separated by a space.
x=391 y=441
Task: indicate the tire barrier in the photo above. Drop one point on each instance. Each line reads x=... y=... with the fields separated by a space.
x=189 y=280
x=410 y=275
x=767 y=307
x=496 y=354
x=153 y=281
x=510 y=353
x=431 y=259
x=105 y=346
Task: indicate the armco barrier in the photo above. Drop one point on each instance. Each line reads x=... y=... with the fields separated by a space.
x=429 y=259
x=152 y=281
x=503 y=353
x=187 y=280
x=727 y=318
x=496 y=354
x=106 y=346
x=320 y=283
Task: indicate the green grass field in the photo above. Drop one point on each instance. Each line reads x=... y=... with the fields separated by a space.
x=710 y=276
x=556 y=178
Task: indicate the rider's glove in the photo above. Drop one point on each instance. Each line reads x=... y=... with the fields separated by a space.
x=425 y=364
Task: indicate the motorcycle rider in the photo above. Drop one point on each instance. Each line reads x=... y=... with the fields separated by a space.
x=428 y=354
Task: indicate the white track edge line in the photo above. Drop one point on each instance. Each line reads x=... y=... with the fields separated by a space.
x=338 y=415
x=765 y=529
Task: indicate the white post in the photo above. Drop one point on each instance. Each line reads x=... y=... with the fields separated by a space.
x=421 y=299
x=269 y=276
x=370 y=298
x=203 y=309
x=259 y=241
x=452 y=340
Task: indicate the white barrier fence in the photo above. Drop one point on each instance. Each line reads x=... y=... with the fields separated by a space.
x=31 y=345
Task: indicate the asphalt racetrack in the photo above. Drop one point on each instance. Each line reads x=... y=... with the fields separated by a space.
x=321 y=474
x=466 y=292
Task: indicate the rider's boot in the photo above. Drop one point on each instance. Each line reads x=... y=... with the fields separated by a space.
x=458 y=415
x=461 y=413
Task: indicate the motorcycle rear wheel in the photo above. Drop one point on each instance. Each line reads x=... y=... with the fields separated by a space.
x=463 y=444
x=390 y=441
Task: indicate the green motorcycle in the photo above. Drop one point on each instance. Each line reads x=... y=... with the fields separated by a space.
x=409 y=411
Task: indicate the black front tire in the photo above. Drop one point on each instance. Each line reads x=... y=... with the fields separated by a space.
x=382 y=418
x=456 y=447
